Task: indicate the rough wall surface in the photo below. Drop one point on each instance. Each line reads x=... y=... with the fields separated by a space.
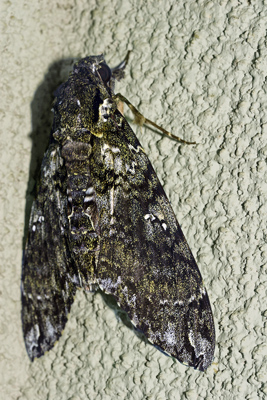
x=199 y=70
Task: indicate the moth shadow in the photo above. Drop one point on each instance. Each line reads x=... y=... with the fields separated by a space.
x=42 y=119
x=122 y=315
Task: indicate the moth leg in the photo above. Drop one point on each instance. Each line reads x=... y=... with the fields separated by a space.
x=140 y=119
x=117 y=71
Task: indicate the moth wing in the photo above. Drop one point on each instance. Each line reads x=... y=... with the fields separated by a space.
x=49 y=275
x=145 y=261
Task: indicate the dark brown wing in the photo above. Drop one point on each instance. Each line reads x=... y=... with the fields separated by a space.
x=49 y=276
x=145 y=261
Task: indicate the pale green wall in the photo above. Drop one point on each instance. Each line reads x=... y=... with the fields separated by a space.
x=198 y=69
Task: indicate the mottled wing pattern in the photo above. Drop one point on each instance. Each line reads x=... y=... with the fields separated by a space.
x=144 y=260
x=101 y=216
x=49 y=275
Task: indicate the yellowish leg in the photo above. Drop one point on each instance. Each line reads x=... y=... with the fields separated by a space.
x=140 y=119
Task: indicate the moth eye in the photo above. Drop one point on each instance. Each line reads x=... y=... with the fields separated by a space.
x=105 y=73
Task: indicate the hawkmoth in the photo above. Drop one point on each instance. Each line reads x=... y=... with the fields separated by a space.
x=101 y=218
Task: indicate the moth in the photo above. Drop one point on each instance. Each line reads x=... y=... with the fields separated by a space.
x=101 y=218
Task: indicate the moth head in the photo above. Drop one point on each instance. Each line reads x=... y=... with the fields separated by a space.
x=97 y=66
x=94 y=66
x=102 y=70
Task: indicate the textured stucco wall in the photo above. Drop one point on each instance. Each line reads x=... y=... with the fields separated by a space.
x=198 y=69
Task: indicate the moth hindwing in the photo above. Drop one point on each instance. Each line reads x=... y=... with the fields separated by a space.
x=101 y=217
